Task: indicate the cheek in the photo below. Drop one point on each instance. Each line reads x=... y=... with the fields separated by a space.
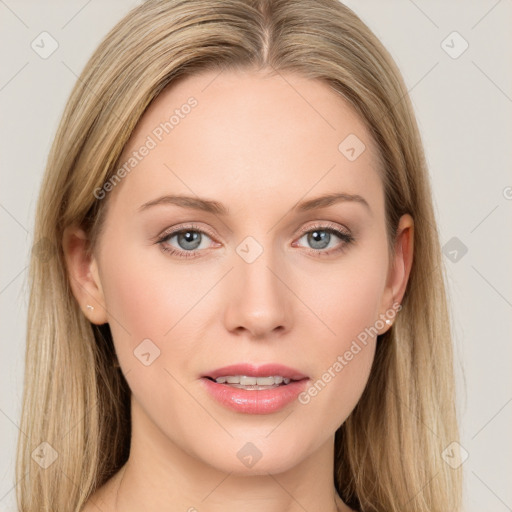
x=145 y=291
x=148 y=298
x=343 y=360
x=348 y=309
x=345 y=298
x=149 y=307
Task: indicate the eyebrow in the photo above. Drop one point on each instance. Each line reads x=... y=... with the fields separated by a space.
x=330 y=199
x=211 y=206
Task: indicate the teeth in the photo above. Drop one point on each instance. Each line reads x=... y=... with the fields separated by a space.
x=245 y=380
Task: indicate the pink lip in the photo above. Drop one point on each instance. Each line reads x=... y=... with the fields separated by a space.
x=255 y=401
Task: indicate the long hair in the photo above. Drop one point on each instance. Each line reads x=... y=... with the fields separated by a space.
x=388 y=453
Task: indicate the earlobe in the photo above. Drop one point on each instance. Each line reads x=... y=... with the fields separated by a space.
x=83 y=275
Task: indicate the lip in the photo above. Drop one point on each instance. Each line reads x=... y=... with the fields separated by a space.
x=255 y=401
x=251 y=370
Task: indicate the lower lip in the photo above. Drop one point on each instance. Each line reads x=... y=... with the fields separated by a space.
x=255 y=401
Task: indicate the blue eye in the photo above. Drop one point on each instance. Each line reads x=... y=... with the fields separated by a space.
x=190 y=239
x=321 y=236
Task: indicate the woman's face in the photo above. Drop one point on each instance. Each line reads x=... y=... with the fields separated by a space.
x=257 y=275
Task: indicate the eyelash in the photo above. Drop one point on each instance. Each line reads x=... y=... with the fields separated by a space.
x=328 y=228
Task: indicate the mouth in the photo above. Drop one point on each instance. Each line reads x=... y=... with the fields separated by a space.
x=254 y=389
x=246 y=375
x=253 y=383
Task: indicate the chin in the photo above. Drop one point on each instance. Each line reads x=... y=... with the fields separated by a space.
x=257 y=455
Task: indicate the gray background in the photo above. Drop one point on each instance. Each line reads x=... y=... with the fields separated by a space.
x=464 y=109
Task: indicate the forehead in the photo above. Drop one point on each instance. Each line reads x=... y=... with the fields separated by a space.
x=240 y=135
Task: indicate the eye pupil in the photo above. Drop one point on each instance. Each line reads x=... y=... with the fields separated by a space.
x=319 y=238
x=189 y=237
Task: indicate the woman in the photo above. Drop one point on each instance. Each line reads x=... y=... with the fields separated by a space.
x=244 y=306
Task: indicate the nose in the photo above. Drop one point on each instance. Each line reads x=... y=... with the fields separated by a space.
x=257 y=299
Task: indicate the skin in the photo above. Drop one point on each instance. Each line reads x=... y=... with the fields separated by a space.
x=257 y=144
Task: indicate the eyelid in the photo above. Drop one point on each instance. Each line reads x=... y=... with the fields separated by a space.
x=186 y=226
x=323 y=225
x=192 y=226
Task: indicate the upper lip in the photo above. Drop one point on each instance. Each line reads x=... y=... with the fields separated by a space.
x=251 y=370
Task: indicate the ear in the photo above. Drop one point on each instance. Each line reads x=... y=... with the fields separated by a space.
x=83 y=275
x=400 y=267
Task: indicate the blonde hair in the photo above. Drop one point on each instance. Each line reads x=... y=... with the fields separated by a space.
x=388 y=451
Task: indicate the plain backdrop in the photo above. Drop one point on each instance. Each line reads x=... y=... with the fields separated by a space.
x=463 y=102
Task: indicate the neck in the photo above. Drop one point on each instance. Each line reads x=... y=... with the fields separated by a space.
x=160 y=476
